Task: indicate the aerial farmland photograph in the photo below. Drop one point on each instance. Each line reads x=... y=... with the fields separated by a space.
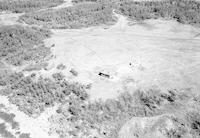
x=99 y=68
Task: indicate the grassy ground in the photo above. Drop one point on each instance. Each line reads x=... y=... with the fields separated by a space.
x=18 y=6
x=81 y=15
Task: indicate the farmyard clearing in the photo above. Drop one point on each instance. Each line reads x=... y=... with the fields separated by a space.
x=110 y=77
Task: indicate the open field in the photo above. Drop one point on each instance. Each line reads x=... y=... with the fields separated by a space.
x=159 y=52
x=100 y=69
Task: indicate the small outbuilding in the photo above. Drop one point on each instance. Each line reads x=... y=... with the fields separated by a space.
x=104 y=75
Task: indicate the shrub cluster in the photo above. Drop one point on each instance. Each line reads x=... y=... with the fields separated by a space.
x=19 y=6
x=24 y=135
x=78 y=16
x=4 y=132
x=79 y=1
x=61 y=67
x=22 y=44
x=36 y=66
x=184 y=11
x=8 y=78
x=9 y=118
x=98 y=1
x=193 y=120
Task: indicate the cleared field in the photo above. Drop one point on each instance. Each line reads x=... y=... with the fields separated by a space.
x=163 y=53
x=159 y=54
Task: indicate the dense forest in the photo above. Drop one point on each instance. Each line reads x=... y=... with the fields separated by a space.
x=184 y=11
x=81 y=15
x=18 y=6
x=20 y=44
x=33 y=95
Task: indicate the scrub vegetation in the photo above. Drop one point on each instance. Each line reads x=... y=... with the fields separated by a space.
x=78 y=16
x=20 y=44
x=82 y=117
x=19 y=6
x=9 y=118
x=78 y=117
x=32 y=96
x=4 y=132
x=105 y=118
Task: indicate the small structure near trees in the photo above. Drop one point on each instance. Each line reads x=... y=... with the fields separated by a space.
x=104 y=75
